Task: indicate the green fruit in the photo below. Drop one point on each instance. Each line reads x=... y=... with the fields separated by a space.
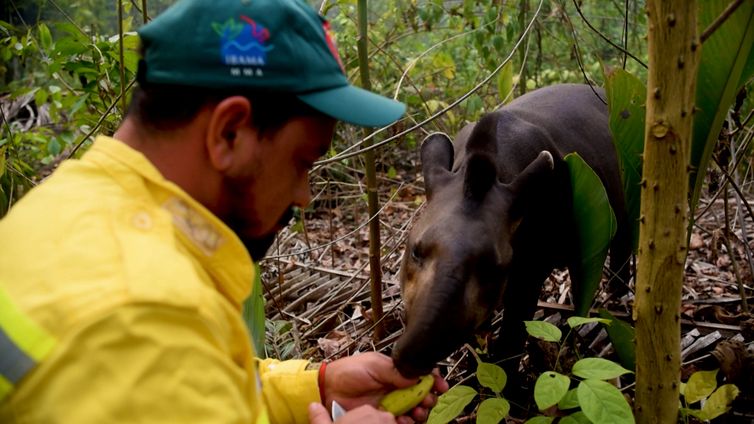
x=400 y=401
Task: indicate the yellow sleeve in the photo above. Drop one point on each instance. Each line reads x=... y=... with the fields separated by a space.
x=288 y=389
x=140 y=363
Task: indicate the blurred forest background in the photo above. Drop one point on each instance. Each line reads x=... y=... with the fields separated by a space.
x=63 y=77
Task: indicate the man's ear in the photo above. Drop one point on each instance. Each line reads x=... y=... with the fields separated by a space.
x=228 y=119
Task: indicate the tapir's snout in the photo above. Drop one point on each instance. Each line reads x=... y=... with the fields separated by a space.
x=411 y=364
x=436 y=325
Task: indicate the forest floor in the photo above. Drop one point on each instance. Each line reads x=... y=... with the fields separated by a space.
x=318 y=300
x=328 y=314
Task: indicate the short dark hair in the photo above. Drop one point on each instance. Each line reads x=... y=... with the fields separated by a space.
x=167 y=107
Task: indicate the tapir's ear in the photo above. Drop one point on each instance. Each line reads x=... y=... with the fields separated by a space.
x=481 y=173
x=528 y=183
x=437 y=159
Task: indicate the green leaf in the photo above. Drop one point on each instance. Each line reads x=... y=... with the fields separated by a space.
x=719 y=402
x=574 y=322
x=451 y=404
x=40 y=97
x=725 y=57
x=53 y=146
x=595 y=226
x=569 y=401
x=505 y=83
x=543 y=330
x=599 y=368
x=491 y=376
x=45 y=38
x=604 y=403
x=253 y=313
x=700 y=385
x=550 y=389
x=2 y=160
x=622 y=337
x=540 y=420
x=575 y=418
x=492 y=411
x=626 y=99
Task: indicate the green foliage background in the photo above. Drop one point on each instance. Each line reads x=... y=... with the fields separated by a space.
x=61 y=80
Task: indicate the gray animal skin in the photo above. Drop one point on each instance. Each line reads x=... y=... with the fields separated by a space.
x=498 y=221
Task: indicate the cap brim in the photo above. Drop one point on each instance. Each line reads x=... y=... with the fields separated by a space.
x=355 y=105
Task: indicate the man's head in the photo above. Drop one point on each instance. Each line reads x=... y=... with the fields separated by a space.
x=251 y=89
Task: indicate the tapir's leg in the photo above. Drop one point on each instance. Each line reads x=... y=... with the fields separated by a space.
x=520 y=303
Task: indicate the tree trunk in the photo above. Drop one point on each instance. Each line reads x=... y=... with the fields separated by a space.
x=375 y=268
x=674 y=53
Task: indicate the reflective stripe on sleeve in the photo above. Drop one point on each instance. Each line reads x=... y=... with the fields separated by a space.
x=23 y=344
x=14 y=363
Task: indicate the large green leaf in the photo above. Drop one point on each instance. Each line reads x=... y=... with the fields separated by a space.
x=622 y=337
x=595 y=226
x=700 y=385
x=550 y=389
x=491 y=376
x=626 y=99
x=599 y=368
x=726 y=64
x=575 y=418
x=450 y=404
x=492 y=411
x=543 y=330
x=603 y=403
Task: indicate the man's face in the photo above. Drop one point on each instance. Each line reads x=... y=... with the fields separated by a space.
x=276 y=179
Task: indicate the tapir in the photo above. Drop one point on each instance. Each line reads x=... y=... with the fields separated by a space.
x=498 y=220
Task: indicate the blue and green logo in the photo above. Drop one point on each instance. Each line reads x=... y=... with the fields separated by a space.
x=243 y=43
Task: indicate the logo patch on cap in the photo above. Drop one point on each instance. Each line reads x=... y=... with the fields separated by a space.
x=243 y=45
x=331 y=44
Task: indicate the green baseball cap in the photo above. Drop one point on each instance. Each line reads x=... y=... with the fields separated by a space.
x=267 y=45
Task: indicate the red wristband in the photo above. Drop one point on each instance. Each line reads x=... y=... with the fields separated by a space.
x=321 y=381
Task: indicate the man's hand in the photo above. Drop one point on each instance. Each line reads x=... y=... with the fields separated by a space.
x=364 y=414
x=364 y=379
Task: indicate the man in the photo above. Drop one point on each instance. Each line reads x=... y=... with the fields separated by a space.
x=122 y=276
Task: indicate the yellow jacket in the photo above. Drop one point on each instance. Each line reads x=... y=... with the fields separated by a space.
x=120 y=298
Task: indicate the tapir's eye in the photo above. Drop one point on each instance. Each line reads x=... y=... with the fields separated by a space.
x=416 y=253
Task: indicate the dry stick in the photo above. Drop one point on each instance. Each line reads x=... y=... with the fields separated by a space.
x=625 y=51
x=99 y=122
x=121 y=66
x=720 y=20
x=67 y=18
x=743 y=148
x=625 y=36
x=345 y=155
x=742 y=223
x=144 y=15
x=731 y=254
x=735 y=186
x=577 y=52
x=414 y=61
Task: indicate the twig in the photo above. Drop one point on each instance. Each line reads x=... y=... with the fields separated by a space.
x=625 y=51
x=731 y=254
x=577 y=53
x=720 y=20
x=99 y=122
x=122 y=66
x=345 y=155
x=330 y=243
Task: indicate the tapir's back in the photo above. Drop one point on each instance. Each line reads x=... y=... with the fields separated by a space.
x=561 y=118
